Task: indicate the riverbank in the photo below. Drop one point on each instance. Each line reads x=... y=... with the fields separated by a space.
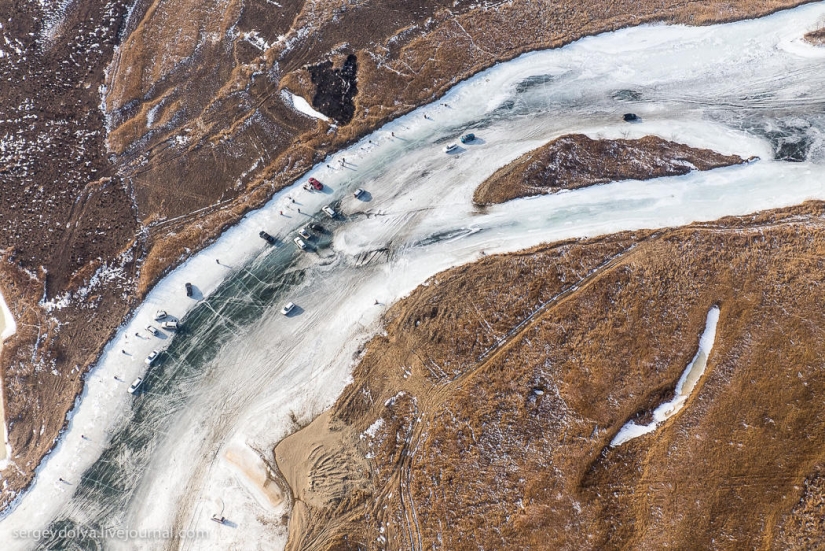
x=8 y=327
x=498 y=380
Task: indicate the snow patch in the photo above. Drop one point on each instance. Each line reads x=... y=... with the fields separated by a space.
x=684 y=387
x=9 y=326
x=301 y=105
x=372 y=429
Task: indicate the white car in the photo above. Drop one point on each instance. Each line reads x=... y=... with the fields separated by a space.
x=288 y=307
x=358 y=193
x=450 y=147
x=152 y=330
x=160 y=314
x=133 y=388
x=304 y=232
x=329 y=211
x=300 y=243
x=171 y=324
x=153 y=355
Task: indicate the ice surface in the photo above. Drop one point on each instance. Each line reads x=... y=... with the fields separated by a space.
x=717 y=87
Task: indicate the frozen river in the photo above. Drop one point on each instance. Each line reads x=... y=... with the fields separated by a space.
x=233 y=383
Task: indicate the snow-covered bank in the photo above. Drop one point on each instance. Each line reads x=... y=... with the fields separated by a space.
x=8 y=327
x=717 y=87
x=684 y=387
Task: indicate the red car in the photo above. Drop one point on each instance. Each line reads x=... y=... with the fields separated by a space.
x=316 y=184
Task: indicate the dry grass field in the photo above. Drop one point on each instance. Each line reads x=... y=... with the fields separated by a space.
x=483 y=418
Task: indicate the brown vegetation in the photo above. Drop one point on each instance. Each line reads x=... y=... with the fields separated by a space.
x=817 y=37
x=195 y=133
x=499 y=386
x=576 y=161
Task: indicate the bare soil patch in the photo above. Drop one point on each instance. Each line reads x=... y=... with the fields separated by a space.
x=335 y=89
x=577 y=161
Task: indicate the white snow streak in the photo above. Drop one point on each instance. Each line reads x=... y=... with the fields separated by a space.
x=684 y=387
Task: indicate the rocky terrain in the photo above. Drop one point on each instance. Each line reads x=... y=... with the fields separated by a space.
x=576 y=161
x=491 y=413
x=132 y=133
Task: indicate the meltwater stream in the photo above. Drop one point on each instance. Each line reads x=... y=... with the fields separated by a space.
x=241 y=374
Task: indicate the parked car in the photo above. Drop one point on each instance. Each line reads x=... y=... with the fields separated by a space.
x=152 y=330
x=266 y=237
x=329 y=211
x=133 y=388
x=160 y=314
x=300 y=243
x=358 y=193
x=316 y=184
x=171 y=324
x=317 y=227
x=288 y=307
x=153 y=355
x=467 y=138
x=304 y=232
x=630 y=117
x=450 y=147
x=188 y=289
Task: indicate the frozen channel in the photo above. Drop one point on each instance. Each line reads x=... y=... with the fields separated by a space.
x=228 y=387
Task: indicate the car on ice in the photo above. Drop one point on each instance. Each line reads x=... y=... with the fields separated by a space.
x=152 y=330
x=300 y=243
x=188 y=289
x=450 y=147
x=358 y=193
x=304 y=232
x=160 y=314
x=467 y=138
x=133 y=388
x=317 y=227
x=288 y=307
x=630 y=117
x=153 y=355
x=266 y=237
x=171 y=324
x=315 y=184
x=329 y=211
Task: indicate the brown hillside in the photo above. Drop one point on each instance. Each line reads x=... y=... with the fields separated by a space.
x=500 y=385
